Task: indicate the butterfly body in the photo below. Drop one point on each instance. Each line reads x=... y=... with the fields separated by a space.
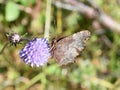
x=66 y=49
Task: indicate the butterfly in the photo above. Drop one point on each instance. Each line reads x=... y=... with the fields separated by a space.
x=65 y=50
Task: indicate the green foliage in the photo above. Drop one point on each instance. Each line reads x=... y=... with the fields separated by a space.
x=12 y=11
x=26 y=2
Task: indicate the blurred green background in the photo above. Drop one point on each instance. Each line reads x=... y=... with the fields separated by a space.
x=98 y=67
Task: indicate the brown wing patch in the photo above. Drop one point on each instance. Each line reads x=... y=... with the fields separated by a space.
x=66 y=49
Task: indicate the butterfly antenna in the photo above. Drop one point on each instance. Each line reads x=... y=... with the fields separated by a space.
x=4 y=48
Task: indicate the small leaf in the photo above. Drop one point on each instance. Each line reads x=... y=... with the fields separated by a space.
x=11 y=11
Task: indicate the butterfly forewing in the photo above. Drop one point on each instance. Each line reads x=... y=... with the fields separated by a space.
x=66 y=49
